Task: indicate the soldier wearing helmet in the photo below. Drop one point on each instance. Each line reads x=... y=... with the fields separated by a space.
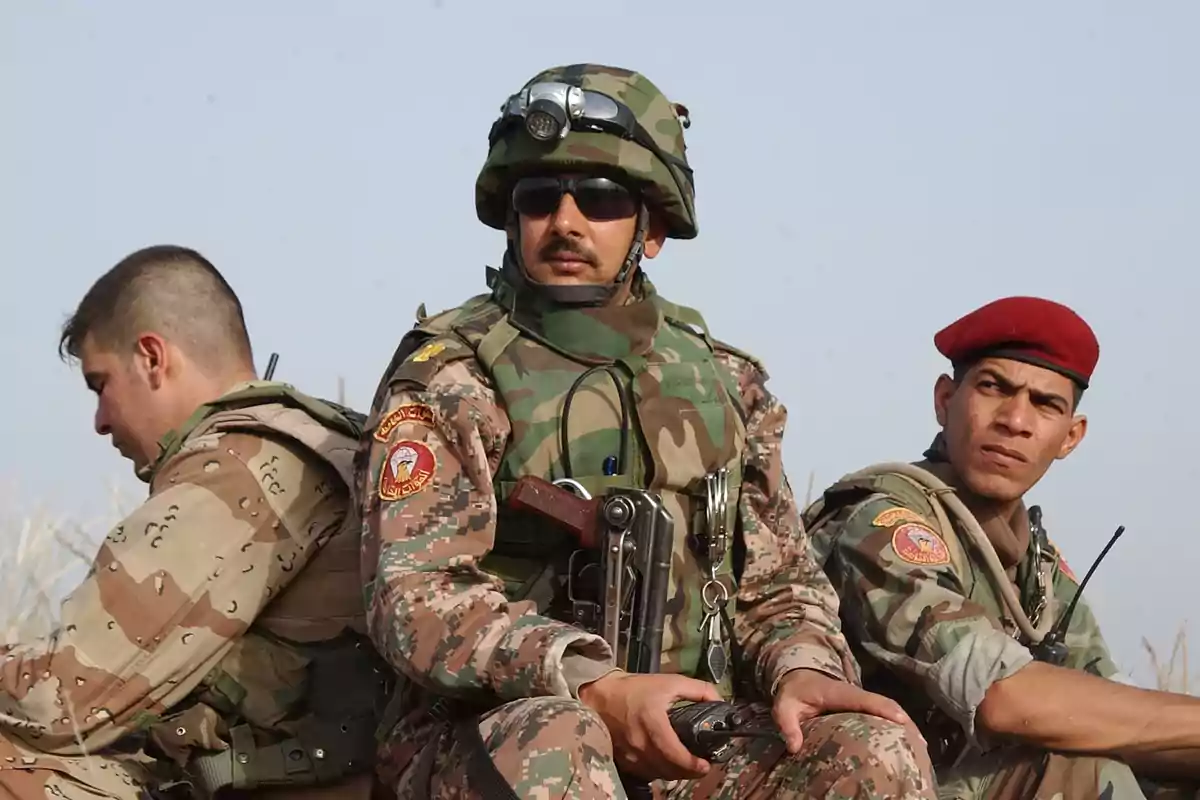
x=573 y=368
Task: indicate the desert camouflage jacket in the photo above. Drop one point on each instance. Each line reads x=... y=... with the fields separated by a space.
x=919 y=609
x=475 y=398
x=248 y=520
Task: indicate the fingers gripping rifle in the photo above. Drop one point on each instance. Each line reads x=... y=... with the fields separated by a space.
x=634 y=534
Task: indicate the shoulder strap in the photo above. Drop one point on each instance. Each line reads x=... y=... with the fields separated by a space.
x=334 y=416
x=936 y=488
x=435 y=341
x=684 y=316
x=865 y=484
x=692 y=321
x=502 y=334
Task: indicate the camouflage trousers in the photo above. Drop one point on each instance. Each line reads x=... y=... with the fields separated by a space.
x=1023 y=774
x=549 y=748
x=27 y=774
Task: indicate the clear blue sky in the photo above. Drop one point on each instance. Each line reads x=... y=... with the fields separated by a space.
x=865 y=172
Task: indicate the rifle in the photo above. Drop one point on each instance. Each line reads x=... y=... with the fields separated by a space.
x=634 y=534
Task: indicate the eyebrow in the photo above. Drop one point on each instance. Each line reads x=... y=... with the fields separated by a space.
x=1009 y=387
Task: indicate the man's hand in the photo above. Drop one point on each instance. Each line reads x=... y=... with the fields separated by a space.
x=804 y=694
x=634 y=709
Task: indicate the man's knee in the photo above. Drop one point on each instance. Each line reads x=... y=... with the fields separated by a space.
x=547 y=735
x=546 y=747
x=860 y=755
x=28 y=774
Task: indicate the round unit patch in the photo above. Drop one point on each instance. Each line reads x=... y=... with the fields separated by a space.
x=916 y=544
x=408 y=468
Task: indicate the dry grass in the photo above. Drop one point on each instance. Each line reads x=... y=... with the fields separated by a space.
x=42 y=557
x=1173 y=675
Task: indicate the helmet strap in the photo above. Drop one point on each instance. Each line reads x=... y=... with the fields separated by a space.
x=517 y=275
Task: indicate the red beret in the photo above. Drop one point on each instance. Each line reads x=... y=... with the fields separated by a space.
x=1028 y=329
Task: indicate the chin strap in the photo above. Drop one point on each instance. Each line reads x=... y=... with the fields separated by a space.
x=515 y=273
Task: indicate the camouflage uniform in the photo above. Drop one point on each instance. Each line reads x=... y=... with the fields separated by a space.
x=930 y=629
x=467 y=599
x=216 y=618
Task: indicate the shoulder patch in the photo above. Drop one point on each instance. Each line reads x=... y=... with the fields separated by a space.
x=408 y=468
x=428 y=351
x=1063 y=567
x=409 y=412
x=428 y=359
x=895 y=515
x=917 y=544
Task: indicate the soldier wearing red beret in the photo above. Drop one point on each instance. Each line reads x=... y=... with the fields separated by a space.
x=951 y=592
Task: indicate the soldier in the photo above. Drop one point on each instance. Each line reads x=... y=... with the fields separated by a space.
x=218 y=641
x=574 y=367
x=949 y=585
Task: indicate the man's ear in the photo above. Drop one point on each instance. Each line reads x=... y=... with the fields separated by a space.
x=152 y=357
x=656 y=235
x=1074 y=436
x=943 y=391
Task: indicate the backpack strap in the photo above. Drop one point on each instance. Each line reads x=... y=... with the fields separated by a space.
x=936 y=494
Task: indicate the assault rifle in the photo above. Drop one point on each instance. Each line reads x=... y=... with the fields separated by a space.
x=633 y=534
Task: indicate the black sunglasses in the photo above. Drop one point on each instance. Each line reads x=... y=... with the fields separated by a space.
x=596 y=198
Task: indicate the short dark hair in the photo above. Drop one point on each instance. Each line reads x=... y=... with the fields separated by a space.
x=961 y=369
x=171 y=290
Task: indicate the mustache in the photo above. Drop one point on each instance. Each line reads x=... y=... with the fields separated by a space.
x=558 y=247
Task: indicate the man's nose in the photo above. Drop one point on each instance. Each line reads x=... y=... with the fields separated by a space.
x=100 y=422
x=568 y=219
x=1014 y=415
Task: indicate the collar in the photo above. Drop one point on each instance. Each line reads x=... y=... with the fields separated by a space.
x=174 y=439
x=599 y=334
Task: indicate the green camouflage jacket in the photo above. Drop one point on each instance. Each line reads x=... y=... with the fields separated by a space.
x=474 y=399
x=924 y=620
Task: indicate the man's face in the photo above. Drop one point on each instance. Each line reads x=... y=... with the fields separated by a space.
x=1005 y=423
x=577 y=229
x=129 y=402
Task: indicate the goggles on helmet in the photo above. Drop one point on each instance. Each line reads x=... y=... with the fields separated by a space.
x=549 y=110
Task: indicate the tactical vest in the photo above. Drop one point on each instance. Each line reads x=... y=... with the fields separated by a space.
x=561 y=386
x=824 y=518
x=301 y=692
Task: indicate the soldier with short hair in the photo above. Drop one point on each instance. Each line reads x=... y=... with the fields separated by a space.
x=573 y=367
x=218 y=640
x=954 y=597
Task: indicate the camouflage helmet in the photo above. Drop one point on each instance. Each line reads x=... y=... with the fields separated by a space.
x=639 y=136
